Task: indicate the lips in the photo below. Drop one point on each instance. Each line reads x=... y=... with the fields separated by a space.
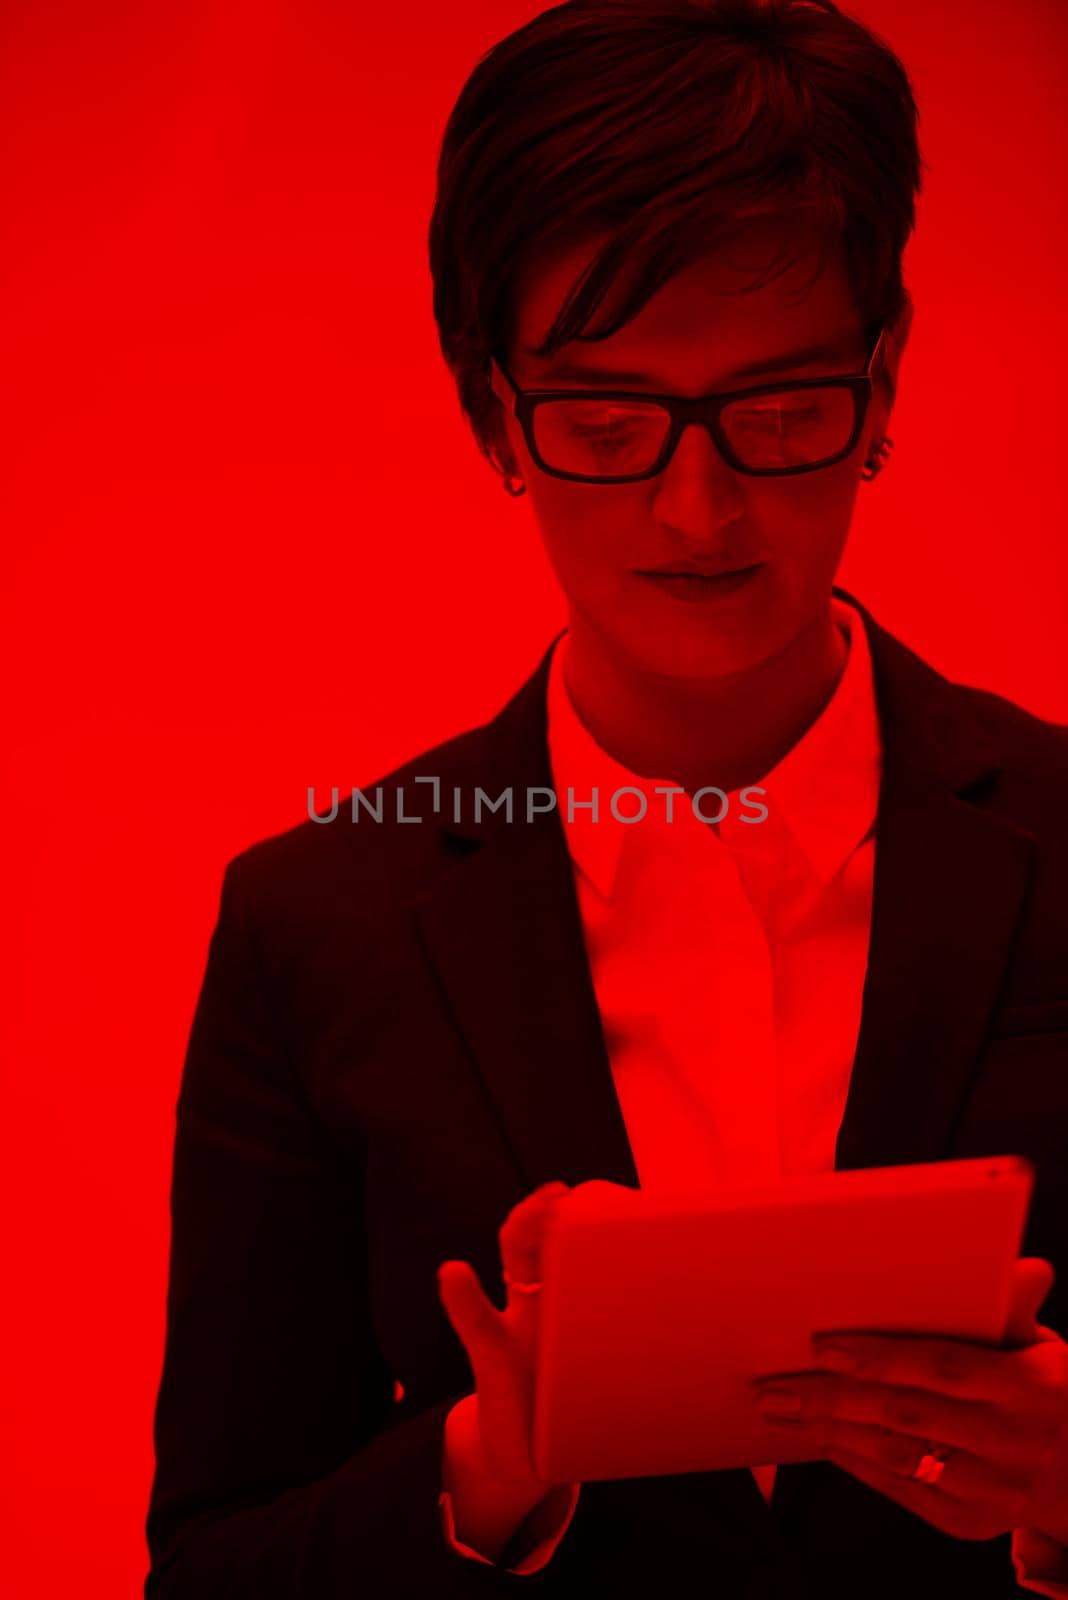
x=703 y=586
x=693 y=570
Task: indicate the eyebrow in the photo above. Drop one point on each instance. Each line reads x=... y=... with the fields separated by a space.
x=839 y=349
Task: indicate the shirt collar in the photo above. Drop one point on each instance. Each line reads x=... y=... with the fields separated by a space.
x=825 y=789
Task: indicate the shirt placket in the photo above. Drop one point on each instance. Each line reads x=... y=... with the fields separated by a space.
x=704 y=988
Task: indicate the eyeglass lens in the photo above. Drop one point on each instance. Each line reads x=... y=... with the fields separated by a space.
x=613 y=438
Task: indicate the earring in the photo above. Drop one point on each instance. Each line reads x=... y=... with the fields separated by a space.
x=514 y=484
x=880 y=455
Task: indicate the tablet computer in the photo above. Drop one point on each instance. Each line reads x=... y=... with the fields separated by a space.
x=657 y=1311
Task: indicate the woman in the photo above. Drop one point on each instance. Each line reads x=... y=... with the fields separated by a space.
x=666 y=253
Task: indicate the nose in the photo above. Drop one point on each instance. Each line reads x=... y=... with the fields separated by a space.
x=697 y=492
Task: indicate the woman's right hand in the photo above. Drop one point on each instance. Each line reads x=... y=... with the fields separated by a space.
x=502 y=1346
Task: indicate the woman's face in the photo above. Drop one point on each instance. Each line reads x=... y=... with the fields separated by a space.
x=705 y=331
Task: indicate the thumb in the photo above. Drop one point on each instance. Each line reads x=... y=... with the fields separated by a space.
x=1032 y=1280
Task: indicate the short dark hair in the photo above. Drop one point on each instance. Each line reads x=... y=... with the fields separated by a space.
x=658 y=122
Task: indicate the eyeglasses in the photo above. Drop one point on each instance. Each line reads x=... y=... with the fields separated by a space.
x=618 y=436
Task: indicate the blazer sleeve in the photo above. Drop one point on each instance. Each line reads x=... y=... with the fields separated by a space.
x=283 y=1466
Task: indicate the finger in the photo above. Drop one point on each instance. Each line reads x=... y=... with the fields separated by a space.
x=954 y=1367
x=520 y=1236
x=1032 y=1280
x=475 y=1320
x=975 y=1426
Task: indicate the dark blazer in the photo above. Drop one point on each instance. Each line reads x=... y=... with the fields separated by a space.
x=397 y=1039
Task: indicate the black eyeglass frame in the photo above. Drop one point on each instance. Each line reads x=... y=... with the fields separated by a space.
x=682 y=411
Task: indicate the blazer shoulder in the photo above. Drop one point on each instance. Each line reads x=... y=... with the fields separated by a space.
x=1028 y=743
x=1031 y=786
x=380 y=834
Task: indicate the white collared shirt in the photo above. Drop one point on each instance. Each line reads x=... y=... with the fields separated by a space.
x=729 y=966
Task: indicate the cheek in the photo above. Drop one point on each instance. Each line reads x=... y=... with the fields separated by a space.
x=586 y=531
x=805 y=522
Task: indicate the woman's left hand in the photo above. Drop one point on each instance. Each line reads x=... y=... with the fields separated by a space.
x=878 y=1403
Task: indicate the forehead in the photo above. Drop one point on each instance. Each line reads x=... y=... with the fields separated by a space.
x=711 y=318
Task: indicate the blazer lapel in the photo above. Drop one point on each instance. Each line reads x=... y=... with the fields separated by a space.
x=950 y=881
x=503 y=931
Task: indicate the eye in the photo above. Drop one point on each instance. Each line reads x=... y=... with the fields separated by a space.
x=776 y=414
x=604 y=435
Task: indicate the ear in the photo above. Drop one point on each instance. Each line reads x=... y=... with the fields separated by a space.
x=897 y=336
x=495 y=439
x=500 y=452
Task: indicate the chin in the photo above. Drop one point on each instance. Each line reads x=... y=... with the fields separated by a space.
x=696 y=651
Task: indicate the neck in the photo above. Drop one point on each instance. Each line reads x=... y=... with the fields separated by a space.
x=724 y=732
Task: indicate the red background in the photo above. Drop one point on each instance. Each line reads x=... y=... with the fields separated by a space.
x=253 y=547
